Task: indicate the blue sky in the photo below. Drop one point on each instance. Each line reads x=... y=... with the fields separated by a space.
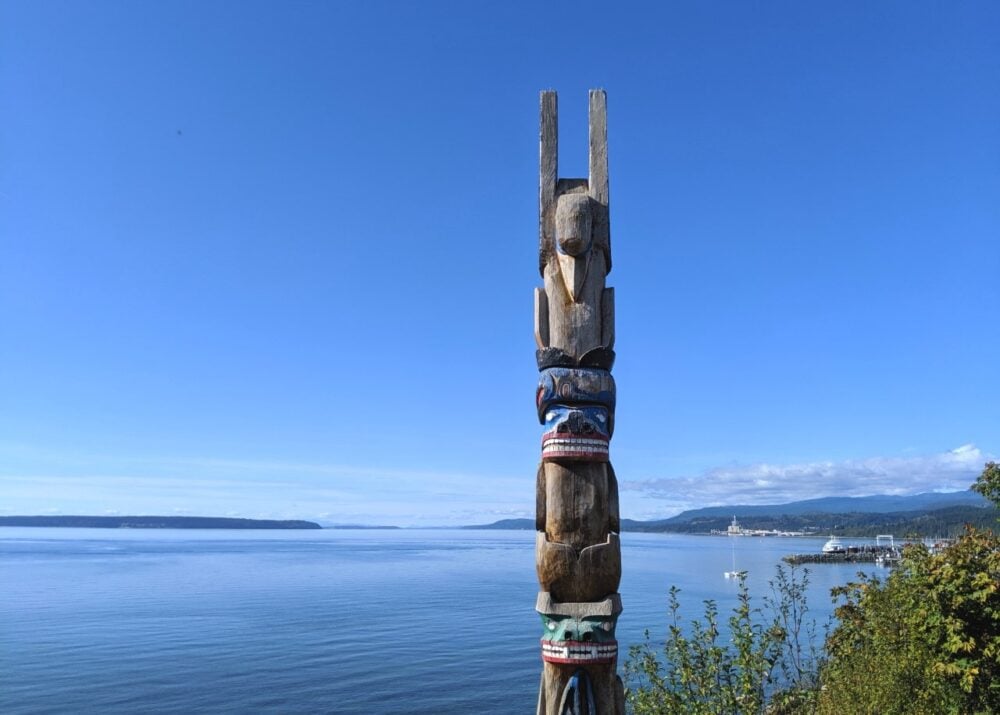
x=276 y=259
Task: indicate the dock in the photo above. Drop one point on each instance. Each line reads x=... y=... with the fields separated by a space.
x=884 y=552
x=853 y=555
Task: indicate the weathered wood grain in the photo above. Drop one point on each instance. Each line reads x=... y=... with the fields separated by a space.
x=608 y=318
x=577 y=520
x=577 y=500
x=540 y=509
x=614 y=516
x=598 y=178
x=588 y=574
x=541 y=319
x=575 y=325
x=598 y=157
x=548 y=169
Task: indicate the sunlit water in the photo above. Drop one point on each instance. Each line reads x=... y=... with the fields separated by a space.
x=333 y=621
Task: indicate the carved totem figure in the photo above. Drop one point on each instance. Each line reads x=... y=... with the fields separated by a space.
x=577 y=551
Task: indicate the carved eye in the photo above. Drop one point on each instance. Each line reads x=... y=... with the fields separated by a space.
x=602 y=418
x=549 y=416
x=551 y=625
x=606 y=625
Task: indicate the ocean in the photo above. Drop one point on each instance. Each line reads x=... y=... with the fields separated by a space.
x=333 y=621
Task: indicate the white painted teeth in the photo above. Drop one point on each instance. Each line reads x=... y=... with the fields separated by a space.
x=564 y=444
x=579 y=652
x=578 y=440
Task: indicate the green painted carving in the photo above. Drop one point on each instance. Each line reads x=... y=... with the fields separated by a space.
x=579 y=633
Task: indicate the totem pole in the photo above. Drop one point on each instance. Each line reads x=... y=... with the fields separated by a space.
x=577 y=552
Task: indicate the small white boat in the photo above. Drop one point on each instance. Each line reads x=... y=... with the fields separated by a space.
x=834 y=546
x=734 y=573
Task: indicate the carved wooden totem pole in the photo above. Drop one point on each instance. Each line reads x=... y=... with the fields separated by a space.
x=577 y=552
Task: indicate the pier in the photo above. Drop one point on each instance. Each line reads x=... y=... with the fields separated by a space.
x=854 y=555
x=884 y=552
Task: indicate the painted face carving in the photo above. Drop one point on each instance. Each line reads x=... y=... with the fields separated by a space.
x=578 y=433
x=579 y=633
x=579 y=641
x=576 y=405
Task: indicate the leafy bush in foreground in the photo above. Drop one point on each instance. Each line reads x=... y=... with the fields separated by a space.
x=701 y=674
x=925 y=641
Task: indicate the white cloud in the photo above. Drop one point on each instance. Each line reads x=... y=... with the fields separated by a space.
x=776 y=483
x=337 y=493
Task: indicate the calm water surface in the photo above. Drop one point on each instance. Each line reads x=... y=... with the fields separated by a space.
x=334 y=621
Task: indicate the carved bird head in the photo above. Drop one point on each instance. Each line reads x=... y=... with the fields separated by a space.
x=573 y=224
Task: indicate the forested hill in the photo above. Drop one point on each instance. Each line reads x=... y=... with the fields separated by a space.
x=949 y=521
x=155 y=522
x=930 y=514
x=880 y=503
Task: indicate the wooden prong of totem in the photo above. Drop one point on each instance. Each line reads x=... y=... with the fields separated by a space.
x=598 y=156
x=548 y=170
x=598 y=179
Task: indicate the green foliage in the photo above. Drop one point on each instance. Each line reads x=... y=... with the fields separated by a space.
x=988 y=483
x=701 y=674
x=800 y=660
x=927 y=640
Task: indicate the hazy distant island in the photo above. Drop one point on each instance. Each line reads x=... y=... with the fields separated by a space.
x=156 y=522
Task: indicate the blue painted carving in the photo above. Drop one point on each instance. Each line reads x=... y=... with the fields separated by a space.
x=577 y=407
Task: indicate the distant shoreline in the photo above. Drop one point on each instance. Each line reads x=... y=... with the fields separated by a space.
x=155 y=522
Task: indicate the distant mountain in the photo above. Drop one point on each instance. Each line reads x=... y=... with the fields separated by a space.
x=357 y=526
x=879 y=504
x=949 y=521
x=931 y=514
x=155 y=522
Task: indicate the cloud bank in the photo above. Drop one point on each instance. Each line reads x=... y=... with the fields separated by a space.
x=776 y=483
x=335 y=493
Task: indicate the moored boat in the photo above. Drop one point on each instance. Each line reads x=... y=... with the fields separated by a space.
x=834 y=546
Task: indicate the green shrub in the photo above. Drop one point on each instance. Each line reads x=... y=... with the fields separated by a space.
x=701 y=674
x=927 y=640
